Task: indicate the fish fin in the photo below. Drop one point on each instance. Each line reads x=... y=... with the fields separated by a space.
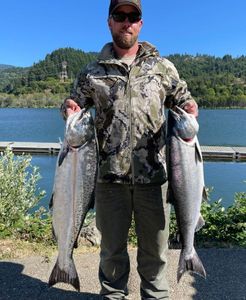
x=204 y=194
x=198 y=151
x=76 y=244
x=178 y=237
x=200 y=223
x=51 y=202
x=54 y=234
x=92 y=202
x=62 y=155
x=192 y=264
x=170 y=195
x=70 y=277
x=50 y=208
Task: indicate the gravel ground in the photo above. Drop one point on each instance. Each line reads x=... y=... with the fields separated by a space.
x=26 y=278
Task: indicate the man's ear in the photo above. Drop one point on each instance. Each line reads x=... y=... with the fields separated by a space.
x=109 y=22
x=141 y=24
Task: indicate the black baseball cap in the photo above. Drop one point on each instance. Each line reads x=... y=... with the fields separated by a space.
x=114 y=4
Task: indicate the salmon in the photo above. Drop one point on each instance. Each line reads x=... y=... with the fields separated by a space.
x=186 y=186
x=73 y=192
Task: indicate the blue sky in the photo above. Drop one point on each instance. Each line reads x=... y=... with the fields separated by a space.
x=30 y=29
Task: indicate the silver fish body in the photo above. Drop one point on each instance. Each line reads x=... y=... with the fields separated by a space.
x=73 y=192
x=186 y=185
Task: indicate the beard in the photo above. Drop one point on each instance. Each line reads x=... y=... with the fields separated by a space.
x=124 y=42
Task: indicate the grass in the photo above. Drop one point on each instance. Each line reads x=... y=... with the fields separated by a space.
x=17 y=249
x=12 y=249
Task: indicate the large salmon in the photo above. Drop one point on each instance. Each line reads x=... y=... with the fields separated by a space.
x=73 y=192
x=186 y=184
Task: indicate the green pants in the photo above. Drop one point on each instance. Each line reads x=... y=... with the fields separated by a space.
x=115 y=205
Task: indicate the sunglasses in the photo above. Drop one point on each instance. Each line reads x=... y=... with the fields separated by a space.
x=132 y=17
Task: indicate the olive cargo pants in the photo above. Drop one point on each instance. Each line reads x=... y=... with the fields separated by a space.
x=115 y=205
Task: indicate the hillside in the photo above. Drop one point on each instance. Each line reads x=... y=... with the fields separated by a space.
x=51 y=66
x=46 y=74
x=213 y=81
x=9 y=77
x=4 y=67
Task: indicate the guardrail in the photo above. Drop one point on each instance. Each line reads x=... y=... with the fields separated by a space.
x=209 y=152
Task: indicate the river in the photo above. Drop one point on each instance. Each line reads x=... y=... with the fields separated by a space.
x=217 y=127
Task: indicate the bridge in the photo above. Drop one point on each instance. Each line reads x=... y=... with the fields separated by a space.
x=230 y=153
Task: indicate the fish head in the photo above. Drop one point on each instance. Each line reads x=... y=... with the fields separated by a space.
x=185 y=125
x=79 y=128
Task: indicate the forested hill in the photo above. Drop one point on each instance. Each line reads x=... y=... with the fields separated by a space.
x=4 y=67
x=213 y=81
x=51 y=66
x=47 y=75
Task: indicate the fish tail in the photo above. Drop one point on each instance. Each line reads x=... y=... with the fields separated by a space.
x=59 y=275
x=193 y=264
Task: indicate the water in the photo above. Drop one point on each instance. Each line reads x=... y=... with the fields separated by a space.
x=46 y=164
x=222 y=127
x=31 y=125
x=226 y=178
x=217 y=127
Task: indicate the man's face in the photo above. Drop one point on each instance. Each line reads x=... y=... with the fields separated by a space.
x=125 y=34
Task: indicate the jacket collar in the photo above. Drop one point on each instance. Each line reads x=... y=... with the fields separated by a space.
x=108 y=55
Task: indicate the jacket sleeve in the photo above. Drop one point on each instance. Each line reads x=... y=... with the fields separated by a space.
x=80 y=93
x=177 y=92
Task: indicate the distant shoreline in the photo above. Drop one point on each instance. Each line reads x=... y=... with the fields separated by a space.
x=42 y=100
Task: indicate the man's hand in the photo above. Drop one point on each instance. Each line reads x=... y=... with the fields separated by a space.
x=191 y=108
x=71 y=107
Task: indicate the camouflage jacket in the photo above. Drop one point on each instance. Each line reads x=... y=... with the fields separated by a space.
x=129 y=112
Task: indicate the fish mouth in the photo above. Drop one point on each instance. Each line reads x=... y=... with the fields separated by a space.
x=83 y=111
x=178 y=112
x=185 y=125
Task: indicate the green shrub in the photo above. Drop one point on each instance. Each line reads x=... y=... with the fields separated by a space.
x=223 y=227
x=18 y=197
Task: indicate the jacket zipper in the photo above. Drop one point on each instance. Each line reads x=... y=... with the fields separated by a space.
x=128 y=70
x=131 y=128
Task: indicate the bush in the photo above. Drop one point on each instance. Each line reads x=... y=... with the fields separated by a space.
x=223 y=227
x=18 y=197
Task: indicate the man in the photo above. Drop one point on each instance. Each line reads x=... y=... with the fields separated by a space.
x=129 y=85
